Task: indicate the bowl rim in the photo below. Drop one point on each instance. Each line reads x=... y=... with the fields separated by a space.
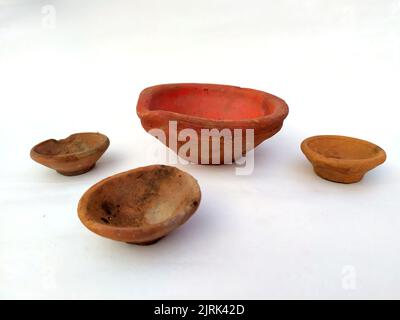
x=377 y=159
x=97 y=227
x=278 y=114
x=81 y=154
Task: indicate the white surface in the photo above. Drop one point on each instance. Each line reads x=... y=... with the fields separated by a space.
x=281 y=232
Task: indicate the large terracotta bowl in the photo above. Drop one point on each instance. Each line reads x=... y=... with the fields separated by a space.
x=342 y=159
x=71 y=156
x=140 y=206
x=211 y=106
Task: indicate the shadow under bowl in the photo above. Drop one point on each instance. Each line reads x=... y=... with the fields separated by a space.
x=207 y=112
x=342 y=159
x=72 y=156
x=140 y=206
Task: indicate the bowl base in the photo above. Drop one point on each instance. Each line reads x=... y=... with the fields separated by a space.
x=76 y=173
x=336 y=176
x=147 y=243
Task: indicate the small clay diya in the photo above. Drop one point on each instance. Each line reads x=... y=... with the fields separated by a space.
x=209 y=106
x=72 y=156
x=342 y=159
x=140 y=206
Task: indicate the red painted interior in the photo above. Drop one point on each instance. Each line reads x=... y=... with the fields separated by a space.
x=213 y=102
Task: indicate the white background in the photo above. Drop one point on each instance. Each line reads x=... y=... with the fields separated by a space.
x=281 y=232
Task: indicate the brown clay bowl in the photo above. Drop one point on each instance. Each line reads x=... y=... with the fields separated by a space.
x=72 y=156
x=342 y=159
x=211 y=106
x=140 y=206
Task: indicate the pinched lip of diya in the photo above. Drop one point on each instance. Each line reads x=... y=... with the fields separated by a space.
x=340 y=158
x=211 y=106
x=74 y=155
x=140 y=206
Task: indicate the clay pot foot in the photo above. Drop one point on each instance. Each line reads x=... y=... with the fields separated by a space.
x=76 y=173
x=147 y=243
x=335 y=176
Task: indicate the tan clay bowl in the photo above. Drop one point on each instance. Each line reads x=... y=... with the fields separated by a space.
x=342 y=159
x=140 y=206
x=72 y=156
x=211 y=106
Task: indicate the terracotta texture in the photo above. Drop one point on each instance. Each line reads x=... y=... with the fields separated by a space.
x=342 y=159
x=211 y=106
x=140 y=206
x=72 y=156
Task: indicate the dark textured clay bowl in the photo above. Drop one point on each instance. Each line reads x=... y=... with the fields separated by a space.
x=140 y=206
x=72 y=156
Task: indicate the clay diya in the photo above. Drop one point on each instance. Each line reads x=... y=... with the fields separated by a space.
x=342 y=159
x=140 y=206
x=205 y=107
x=72 y=156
